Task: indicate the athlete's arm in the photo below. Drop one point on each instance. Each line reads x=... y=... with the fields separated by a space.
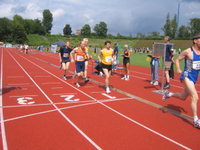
x=71 y=54
x=99 y=56
x=182 y=56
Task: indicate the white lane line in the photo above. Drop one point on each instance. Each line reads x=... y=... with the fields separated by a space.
x=3 y=132
x=108 y=95
x=65 y=94
x=61 y=113
x=68 y=107
x=122 y=115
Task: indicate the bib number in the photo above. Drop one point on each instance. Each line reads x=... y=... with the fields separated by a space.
x=109 y=59
x=80 y=58
x=196 y=65
x=65 y=55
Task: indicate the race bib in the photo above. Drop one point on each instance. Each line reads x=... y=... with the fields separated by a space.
x=65 y=55
x=80 y=58
x=109 y=59
x=196 y=65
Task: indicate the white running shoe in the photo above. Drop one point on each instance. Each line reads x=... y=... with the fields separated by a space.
x=123 y=78
x=108 y=90
x=77 y=84
x=152 y=82
x=197 y=124
x=166 y=96
x=156 y=83
x=126 y=79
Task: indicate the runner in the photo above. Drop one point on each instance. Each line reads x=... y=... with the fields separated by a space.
x=26 y=49
x=106 y=57
x=189 y=76
x=64 y=56
x=86 y=59
x=80 y=55
x=126 y=62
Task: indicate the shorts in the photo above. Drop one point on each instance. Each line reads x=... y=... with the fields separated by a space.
x=86 y=59
x=167 y=65
x=125 y=61
x=65 y=60
x=80 y=66
x=104 y=66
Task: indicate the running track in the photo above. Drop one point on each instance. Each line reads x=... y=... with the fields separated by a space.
x=40 y=111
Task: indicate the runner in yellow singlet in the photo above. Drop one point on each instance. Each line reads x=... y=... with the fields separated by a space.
x=106 y=57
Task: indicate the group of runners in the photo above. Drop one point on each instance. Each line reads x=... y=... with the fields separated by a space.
x=107 y=58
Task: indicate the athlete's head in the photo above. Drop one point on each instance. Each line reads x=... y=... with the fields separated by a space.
x=86 y=41
x=126 y=46
x=166 y=39
x=67 y=44
x=196 y=40
x=107 y=44
x=82 y=44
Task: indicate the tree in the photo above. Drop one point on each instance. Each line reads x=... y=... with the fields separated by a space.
x=47 y=20
x=67 y=30
x=167 y=27
x=195 y=25
x=86 y=30
x=184 y=32
x=154 y=34
x=19 y=33
x=174 y=27
x=101 y=29
x=5 y=30
x=140 y=35
x=38 y=28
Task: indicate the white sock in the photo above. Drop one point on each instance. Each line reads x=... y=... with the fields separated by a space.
x=171 y=94
x=195 y=118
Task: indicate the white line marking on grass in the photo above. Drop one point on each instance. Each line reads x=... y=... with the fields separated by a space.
x=3 y=132
x=141 y=125
x=61 y=113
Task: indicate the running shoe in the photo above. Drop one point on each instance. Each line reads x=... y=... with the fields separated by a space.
x=197 y=124
x=77 y=84
x=156 y=83
x=166 y=86
x=166 y=96
x=86 y=80
x=108 y=90
x=64 y=78
x=126 y=79
x=123 y=78
x=152 y=82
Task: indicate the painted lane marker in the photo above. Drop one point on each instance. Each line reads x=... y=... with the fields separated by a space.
x=108 y=95
x=3 y=132
x=120 y=114
x=68 y=98
x=58 y=109
x=25 y=101
x=65 y=94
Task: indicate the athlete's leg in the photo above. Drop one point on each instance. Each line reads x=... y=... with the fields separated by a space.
x=107 y=76
x=86 y=66
x=127 y=70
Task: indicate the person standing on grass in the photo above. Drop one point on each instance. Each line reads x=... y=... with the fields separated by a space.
x=126 y=62
x=64 y=56
x=189 y=76
x=168 y=61
x=106 y=57
x=80 y=55
x=87 y=57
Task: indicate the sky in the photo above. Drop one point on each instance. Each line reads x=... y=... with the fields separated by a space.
x=127 y=17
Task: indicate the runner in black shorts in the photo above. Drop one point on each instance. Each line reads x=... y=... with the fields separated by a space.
x=126 y=62
x=65 y=58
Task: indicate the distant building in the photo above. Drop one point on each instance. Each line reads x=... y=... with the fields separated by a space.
x=78 y=32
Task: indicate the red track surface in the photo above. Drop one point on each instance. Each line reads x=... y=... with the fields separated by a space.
x=48 y=120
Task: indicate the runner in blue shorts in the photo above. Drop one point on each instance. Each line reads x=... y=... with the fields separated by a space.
x=80 y=55
x=189 y=76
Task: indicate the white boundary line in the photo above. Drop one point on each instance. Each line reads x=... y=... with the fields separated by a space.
x=61 y=113
x=3 y=132
x=122 y=115
x=65 y=108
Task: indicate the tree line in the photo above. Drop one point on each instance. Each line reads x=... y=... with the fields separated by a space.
x=17 y=29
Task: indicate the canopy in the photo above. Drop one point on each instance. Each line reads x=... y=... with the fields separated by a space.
x=59 y=43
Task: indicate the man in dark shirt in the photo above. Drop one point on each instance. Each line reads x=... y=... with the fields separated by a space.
x=168 y=61
x=64 y=56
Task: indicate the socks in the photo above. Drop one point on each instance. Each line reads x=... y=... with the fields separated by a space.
x=195 y=118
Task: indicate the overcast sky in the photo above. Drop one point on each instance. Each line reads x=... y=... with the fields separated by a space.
x=122 y=16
